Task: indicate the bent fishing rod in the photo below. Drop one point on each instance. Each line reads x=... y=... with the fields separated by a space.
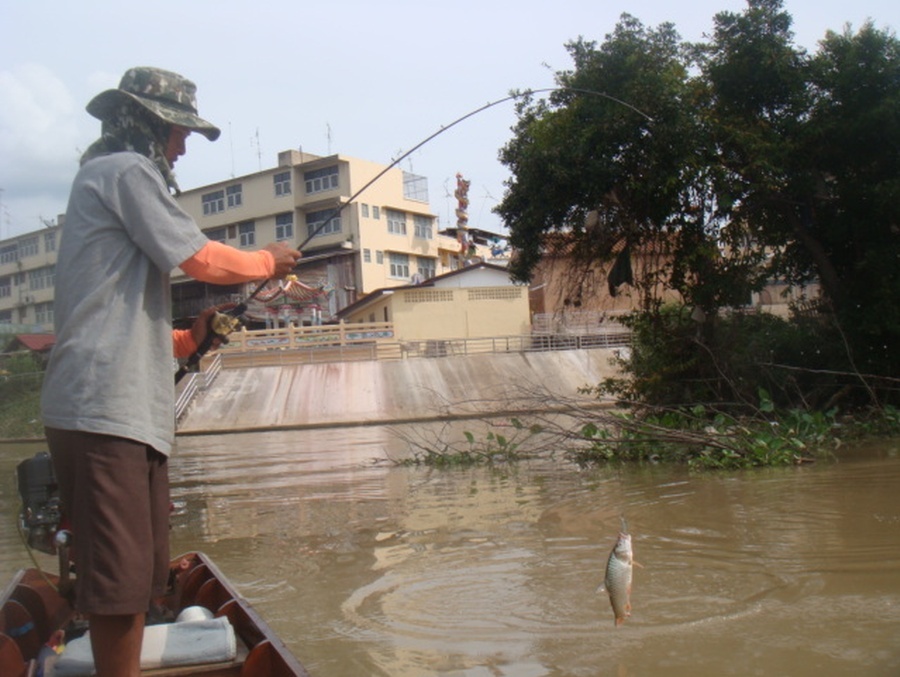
x=223 y=323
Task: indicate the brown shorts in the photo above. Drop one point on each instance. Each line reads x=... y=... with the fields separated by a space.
x=115 y=494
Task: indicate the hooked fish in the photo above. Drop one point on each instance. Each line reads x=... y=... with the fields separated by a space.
x=617 y=581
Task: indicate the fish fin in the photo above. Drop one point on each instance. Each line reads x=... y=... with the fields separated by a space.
x=637 y=564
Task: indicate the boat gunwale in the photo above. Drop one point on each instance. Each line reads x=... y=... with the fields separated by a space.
x=196 y=580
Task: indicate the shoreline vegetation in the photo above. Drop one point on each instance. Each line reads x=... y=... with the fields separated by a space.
x=20 y=409
x=696 y=438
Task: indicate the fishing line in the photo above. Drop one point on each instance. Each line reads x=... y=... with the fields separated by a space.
x=227 y=320
x=428 y=139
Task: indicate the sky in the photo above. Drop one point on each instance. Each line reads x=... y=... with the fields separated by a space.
x=365 y=79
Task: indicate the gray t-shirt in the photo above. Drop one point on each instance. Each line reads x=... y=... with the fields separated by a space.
x=110 y=371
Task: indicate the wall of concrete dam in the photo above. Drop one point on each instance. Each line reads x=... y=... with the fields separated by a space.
x=373 y=392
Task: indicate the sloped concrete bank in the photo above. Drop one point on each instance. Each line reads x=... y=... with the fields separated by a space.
x=405 y=391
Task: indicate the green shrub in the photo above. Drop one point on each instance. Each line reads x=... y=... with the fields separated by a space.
x=724 y=361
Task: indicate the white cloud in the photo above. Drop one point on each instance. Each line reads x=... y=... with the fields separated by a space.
x=40 y=140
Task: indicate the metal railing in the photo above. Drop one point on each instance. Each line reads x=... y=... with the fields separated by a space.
x=212 y=371
x=347 y=343
x=186 y=395
x=195 y=383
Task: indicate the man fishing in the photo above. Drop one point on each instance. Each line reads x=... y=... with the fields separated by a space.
x=108 y=401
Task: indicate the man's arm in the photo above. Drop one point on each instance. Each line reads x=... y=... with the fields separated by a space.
x=217 y=263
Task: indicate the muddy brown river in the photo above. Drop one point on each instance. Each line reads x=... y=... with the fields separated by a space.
x=369 y=569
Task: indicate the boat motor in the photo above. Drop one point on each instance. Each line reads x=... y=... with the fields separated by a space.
x=40 y=515
x=41 y=518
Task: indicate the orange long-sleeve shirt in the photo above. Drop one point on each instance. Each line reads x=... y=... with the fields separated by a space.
x=218 y=263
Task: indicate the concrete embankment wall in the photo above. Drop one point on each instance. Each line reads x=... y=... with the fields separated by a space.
x=378 y=392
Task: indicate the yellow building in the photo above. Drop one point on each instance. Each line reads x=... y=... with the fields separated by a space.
x=383 y=235
x=477 y=301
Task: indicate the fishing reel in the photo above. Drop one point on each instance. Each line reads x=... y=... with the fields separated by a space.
x=40 y=515
x=221 y=325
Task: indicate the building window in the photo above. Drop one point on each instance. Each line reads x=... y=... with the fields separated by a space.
x=415 y=187
x=427 y=267
x=5 y=316
x=399 y=266
x=320 y=180
x=233 y=193
x=316 y=219
x=376 y=212
x=379 y=256
x=9 y=253
x=41 y=278
x=282 y=181
x=28 y=247
x=213 y=203
x=50 y=241
x=367 y=257
x=284 y=226
x=43 y=312
x=423 y=226
x=364 y=210
x=5 y=287
x=216 y=234
x=396 y=221
x=247 y=233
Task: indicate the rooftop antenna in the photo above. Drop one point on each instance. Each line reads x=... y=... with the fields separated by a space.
x=258 y=149
x=328 y=136
x=484 y=198
x=4 y=217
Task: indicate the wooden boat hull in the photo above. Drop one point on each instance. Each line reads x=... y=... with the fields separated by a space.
x=32 y=611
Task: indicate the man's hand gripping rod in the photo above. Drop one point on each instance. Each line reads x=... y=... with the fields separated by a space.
x=221 y=324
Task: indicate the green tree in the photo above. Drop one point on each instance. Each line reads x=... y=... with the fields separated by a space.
x=809 y=153
x=621 y=157
x=854 y=140
x=760 y=161
x=585 y=163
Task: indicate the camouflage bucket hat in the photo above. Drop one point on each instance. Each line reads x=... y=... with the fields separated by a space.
x=169 y=96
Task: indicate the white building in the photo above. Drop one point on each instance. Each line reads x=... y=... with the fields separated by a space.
x=27 y=275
